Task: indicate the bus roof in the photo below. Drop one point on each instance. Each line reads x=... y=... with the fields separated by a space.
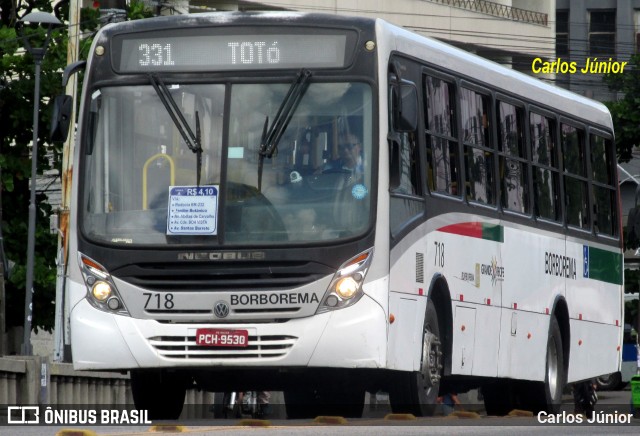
x=468 y=64
x=423 y=47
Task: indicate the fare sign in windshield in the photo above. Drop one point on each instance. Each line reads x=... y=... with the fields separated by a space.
x=193 y=210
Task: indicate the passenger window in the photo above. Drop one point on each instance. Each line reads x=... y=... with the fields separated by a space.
x=514 y=168
x=442 y=143
x=604 y=185
x=546 y=175
x=602 y=160
x=575 y=181
x=478 y=154
x=404 y=172
x=410 y=182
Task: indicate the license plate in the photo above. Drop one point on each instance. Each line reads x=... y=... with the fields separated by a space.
x=222 y=338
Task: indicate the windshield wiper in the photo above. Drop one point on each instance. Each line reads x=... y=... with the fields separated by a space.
x=193 y=141
x=272 y=135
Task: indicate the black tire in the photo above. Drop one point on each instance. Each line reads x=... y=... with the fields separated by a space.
x=417 y=392
x=161 y=393
x=611 y=382
x=547 y=396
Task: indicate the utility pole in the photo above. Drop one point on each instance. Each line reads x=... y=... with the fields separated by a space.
x=49 y=22
x=61 y=336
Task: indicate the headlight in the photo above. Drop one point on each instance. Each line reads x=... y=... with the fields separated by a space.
x=346 y=286
x=101 y=290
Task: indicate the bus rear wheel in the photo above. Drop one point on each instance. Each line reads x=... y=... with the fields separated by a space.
x=417 y=392
x=159 y=392
x=547 y=396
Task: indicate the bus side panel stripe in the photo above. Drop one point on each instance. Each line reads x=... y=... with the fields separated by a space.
x=490 y=232
x=602 y=265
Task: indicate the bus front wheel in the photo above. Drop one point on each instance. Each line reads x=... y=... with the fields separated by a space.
x=417 y=392
x=159 y=392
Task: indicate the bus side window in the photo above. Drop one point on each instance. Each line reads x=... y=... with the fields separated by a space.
x=513 y=164
x=404 y=153
x=405 y=163
x=441 y=136
x=575 y=176
x=604 y=182
x=546 y=175
x=479 y=155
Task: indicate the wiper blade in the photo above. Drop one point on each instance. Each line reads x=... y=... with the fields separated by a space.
x=285 y=113
x=271 y=136
x=192 y=140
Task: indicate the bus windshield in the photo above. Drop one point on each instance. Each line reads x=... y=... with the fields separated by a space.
x=317 y=185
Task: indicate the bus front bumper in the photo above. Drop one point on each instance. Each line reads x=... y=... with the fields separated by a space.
x=354 y=337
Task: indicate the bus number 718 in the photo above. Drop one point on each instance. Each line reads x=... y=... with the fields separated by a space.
x=156 y=302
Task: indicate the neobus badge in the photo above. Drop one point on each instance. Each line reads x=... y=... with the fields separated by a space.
x=222 y=255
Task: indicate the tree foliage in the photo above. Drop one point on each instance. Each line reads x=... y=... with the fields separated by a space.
x=16 y=133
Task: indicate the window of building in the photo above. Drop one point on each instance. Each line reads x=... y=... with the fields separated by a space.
x=602 y=33
x=442 y=143
x=478 y=154
x=546 y=176
x=575 y=178
x=562 y=33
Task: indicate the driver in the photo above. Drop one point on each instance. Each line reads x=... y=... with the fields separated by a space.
x=349 y=156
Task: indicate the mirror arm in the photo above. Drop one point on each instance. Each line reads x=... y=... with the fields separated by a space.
x=70 y=70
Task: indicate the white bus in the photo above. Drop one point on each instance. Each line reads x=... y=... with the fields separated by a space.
x=327 y=205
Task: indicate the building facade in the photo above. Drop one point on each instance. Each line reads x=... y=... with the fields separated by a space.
x=596 y=30
x=511 y=32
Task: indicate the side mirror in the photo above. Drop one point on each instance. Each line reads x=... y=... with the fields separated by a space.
x=61 y=118
x=63 y=106
x=405 y=107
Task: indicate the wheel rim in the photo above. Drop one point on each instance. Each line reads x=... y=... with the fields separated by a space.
x=431 y=362
x=552 y=368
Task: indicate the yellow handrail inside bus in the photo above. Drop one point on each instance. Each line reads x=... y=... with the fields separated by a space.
x=145 y=170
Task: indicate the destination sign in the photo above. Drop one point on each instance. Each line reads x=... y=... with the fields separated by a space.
x=139 y=53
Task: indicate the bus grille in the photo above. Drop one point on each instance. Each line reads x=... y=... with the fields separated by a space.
x=184 y=347
x=223 y=277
